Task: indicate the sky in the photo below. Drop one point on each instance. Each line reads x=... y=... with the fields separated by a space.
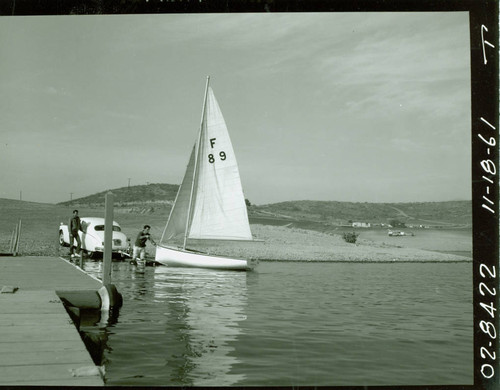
x=359 y=107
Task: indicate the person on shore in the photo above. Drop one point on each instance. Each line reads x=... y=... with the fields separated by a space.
x=74 y=226
x=139 y=251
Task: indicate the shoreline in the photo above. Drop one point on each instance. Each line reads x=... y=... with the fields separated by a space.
x=294 y=244
x=367 y=261
x=273 y=242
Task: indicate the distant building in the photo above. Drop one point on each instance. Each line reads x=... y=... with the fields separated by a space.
x=361 y=224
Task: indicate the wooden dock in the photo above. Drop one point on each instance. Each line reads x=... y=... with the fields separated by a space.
x=39 y=344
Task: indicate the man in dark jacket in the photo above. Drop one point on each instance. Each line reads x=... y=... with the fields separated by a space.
x=74 y=226
x=140 y=244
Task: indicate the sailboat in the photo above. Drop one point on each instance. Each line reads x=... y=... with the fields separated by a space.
x=210 y=204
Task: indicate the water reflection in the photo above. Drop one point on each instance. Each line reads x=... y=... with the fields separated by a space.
x=178 y=326
x=308 y=324
x=205 y=308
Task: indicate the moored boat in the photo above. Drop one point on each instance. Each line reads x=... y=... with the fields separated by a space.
x=210 y=204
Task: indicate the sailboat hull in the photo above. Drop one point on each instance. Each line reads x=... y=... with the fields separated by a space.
x=183 y=258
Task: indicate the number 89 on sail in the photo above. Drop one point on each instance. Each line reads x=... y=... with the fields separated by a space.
x=211 y=158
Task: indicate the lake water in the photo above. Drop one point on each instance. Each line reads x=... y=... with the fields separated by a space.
x=291 y=324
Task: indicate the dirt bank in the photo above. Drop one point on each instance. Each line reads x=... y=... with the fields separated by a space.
x=273 y=243
x=283 y=243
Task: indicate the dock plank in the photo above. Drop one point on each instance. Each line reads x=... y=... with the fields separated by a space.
x=46 y=373
x=60 y=346
x=44 y=273
x=26 y=319
x=37 y=333
x=40 y=344
x=77 y=358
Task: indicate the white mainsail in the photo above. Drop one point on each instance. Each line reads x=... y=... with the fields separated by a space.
x=210 y=203
x=219 y=210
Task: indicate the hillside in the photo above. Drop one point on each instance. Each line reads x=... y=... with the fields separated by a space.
x=14 y=204
x=425 y=213
x=142 y=198
x=277 y=238
x=150 y=193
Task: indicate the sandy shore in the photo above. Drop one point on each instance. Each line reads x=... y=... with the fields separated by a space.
x=39 y=237
x=274 y=243
x=283 y=243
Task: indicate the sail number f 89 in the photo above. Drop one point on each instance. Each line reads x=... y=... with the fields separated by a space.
x=211 y=158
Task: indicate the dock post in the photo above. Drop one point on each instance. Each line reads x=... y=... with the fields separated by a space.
x=110 y=297
x=108 y=240
x=18 y=237
x=12 y=237
x=16 y=234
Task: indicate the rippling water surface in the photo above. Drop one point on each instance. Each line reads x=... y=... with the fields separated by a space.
x=291 y=324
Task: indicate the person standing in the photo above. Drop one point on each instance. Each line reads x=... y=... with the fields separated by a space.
x=74 y=226
x=139 y=251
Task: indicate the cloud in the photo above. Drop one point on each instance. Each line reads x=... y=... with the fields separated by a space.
x=384 y=65
x=51 y=90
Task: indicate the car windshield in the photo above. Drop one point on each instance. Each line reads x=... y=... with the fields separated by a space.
x=100 y=228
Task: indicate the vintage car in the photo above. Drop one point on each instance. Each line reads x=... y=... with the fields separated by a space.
x=92 y=237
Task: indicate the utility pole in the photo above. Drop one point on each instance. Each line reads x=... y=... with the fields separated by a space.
x=20 y=195
x=129 y=182
x=70 y=196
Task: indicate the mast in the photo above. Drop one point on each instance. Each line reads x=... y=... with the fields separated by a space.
x=195 y=164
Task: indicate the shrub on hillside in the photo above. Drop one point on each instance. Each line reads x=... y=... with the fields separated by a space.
x=350 y=237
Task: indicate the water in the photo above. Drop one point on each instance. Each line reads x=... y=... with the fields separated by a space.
x=291 y=324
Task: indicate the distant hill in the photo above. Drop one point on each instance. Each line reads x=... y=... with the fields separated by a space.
x=456 y=213
x=149 y=193
x=14 y=204
x=425 y=213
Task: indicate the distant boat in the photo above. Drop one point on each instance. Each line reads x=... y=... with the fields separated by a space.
x=398 y=233
x=210 y=204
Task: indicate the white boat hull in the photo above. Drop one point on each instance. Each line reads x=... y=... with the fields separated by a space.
x=172 y=257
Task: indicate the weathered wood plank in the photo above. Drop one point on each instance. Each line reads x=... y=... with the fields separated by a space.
x=38 y=333
x=60 y=346
x=78 y=357
x=44 y=273
x=80 y=381
x=28 y=319
x=48 y=373
x=33 y=302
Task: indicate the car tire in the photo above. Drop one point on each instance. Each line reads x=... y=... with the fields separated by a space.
x=61 y=239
